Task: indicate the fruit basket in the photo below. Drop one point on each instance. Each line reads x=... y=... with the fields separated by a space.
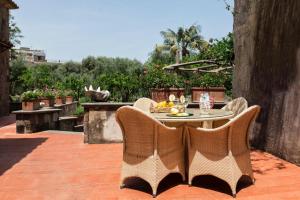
x=162 y=107
x=160 y=110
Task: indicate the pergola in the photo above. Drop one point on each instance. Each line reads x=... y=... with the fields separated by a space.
x=205 y=66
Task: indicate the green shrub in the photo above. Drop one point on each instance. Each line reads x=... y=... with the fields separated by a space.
x=48 y=94
x=84 y=100
x=208 y=80
x=15 y=99
x=60 y=94
x=70 y=93
x=30 y=96
x=79 y=111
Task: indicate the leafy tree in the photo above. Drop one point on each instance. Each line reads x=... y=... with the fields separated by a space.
x=76 y=83
x=14 y=35
x=17 y=69
x=14 y=31
x=182 y=42
x=221 y=50
x=38 y=77
x=122 y=87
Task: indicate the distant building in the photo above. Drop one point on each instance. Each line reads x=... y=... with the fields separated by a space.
x=30 y=55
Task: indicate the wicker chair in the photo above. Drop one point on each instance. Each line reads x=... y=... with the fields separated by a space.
x=237 y=106
x=223 y=152
x=151 y=150
x=144 y=104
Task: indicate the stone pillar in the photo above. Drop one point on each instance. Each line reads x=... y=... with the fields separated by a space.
x=4 y=63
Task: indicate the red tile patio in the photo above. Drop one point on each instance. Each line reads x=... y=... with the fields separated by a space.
x=56 y=166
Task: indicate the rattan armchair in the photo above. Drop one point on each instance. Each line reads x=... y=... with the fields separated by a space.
x=151 y=150
x=223 y=152
x=144 y=104
x=237 y=106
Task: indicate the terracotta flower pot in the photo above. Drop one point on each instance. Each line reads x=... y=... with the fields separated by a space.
x=48 y=102
x=60 y=101
x=196 y=93
x=218 y=93
x=159 y=94
x=30 y=105
x=176 y=91
x=69 y=99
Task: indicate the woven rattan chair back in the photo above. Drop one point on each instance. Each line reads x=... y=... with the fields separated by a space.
x=223 y=152
x=237 y=105
x=144 y=104
x=138 y=131
x=151 y=150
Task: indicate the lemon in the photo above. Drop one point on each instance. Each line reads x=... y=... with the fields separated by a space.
x=174 y=111
x=171 y=104
x=183 y=114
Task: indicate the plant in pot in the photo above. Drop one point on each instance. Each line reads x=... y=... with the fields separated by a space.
x=69 y=96
x=176 y=85
x=156 y=80
x=60 y=97
x=30 y=101
x=47 y=97
x=211 y=83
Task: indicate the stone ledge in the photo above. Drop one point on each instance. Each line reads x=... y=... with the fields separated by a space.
x=113 y=106
x=36 y=111
x=107 y=106
x=58 y=106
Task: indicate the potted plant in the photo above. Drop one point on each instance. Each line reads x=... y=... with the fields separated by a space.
x=215 y=83
x=208 y=83
x=156 y=80
x=69 y=96
x=176 y=85
x=60 y=97
x=162 y=84
x=30 y=101
x=47 y=98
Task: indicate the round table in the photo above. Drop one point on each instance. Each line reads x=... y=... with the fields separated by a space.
x=198 y=116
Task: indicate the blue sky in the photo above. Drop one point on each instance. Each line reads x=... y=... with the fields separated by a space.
x=74 y=29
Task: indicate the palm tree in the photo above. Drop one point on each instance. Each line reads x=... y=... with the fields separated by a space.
x=181 y=43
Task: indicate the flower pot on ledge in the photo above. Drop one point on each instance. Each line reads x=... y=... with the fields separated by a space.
x=162 y=94
x=217 y=93
x=159 y=94
x=48 y=102
x=177 y=92
x=30 y=105
x=60 y=101
x=69 y=99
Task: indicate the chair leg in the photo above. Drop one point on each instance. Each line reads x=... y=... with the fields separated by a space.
x=233 y=189
x=122 y=186
x=190 y=183
x=154 y=191
x=183 y=177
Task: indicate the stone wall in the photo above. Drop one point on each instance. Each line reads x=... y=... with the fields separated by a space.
x=267 y=71
x=99 y=123
x=4 y=64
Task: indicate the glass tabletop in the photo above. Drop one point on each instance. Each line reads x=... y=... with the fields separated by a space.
x=197 y=115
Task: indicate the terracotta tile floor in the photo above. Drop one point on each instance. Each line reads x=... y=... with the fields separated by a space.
x=57 y=166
